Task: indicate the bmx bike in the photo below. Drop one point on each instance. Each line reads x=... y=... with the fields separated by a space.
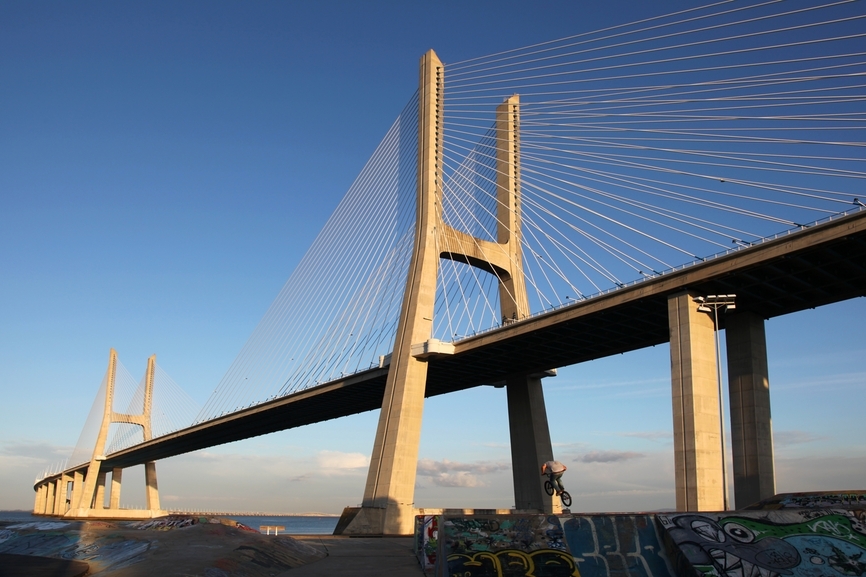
x=549 y=489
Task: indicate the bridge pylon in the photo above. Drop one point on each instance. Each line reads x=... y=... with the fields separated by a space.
x=388 y=504
x=88 y=482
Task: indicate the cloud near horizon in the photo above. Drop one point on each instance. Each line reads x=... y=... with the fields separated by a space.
x=339 y=462
x=609 y=456
x=650 y=435
x=447 y=473
x=794 y=437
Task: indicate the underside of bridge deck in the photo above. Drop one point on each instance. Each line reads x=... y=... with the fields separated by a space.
x=814 y=267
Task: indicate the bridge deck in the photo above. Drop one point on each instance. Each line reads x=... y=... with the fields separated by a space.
x=806 y=269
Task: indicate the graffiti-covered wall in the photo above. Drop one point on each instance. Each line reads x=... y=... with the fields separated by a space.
x=616 y=546
x=792 y=535
x=502 y=546
x=789 y=542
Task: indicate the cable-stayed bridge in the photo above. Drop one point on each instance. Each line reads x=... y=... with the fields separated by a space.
x=546 y=206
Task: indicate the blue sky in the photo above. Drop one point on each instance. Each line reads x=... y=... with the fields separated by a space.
x=163 y=168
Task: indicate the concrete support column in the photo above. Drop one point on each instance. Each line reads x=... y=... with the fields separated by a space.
x=696 y=412
x=39 y=504
x=751 y=425
x=114 y=492
x=150 y=486
x=77 y=489
x=65 y=498
x=530 y=443
x=99 y=497
x=49 y=499
x=45 y=499
x=59 y=496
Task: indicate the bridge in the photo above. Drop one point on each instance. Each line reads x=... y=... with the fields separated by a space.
x=544 y=207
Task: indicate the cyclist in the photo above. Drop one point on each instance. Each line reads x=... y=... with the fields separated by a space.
x=554 y=471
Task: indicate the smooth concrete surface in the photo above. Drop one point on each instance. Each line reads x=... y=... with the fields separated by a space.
x=49 y=499
x=99 y=497
x=696 y=413
x=150 y=486
x=751 y=424
x=116 y=514
x=78 y=487
x=114 y=489
x=360 y=557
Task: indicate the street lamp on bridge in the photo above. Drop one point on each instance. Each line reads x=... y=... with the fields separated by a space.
x=712 y=304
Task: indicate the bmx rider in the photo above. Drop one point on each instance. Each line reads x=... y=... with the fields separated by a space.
x=554 y=471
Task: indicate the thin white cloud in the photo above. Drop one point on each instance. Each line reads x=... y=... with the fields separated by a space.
x=447 y=473
x=790 y=438
x=334 y=461
x=650 y=435
x=823 y=382
x=609 y=384
x=31 y=450
x=609 y=456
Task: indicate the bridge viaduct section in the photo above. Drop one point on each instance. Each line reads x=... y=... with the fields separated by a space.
x=80 y=492
x=808 y=268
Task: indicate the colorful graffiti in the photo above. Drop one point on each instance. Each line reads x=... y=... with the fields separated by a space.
x=797 y=543
x=512 y=562
x=165 y=523
x=499 y=546
x=523 y=533
x=616 y=545
x=427 y=540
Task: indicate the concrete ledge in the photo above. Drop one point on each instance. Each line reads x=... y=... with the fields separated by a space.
x=115 y=514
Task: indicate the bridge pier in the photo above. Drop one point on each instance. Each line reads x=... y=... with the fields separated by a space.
x=36 y=500
x=114 y=489
x=751 y=425
x=150 y=485
x=77 y=488
x=99 y=497
x=696 y=412
x=388 y=505
x=49 y=498
x=530 y=443
x=62 y=493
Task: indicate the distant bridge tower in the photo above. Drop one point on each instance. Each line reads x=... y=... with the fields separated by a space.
x=388 y=505
x=88 y=482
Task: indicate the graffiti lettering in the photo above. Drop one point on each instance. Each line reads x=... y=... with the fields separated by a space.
x=541 y=563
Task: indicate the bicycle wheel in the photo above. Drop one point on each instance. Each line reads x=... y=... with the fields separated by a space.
x=566 y=498
x=548 y=487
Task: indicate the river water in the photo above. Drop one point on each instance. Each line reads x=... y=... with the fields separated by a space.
x=294 y=524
